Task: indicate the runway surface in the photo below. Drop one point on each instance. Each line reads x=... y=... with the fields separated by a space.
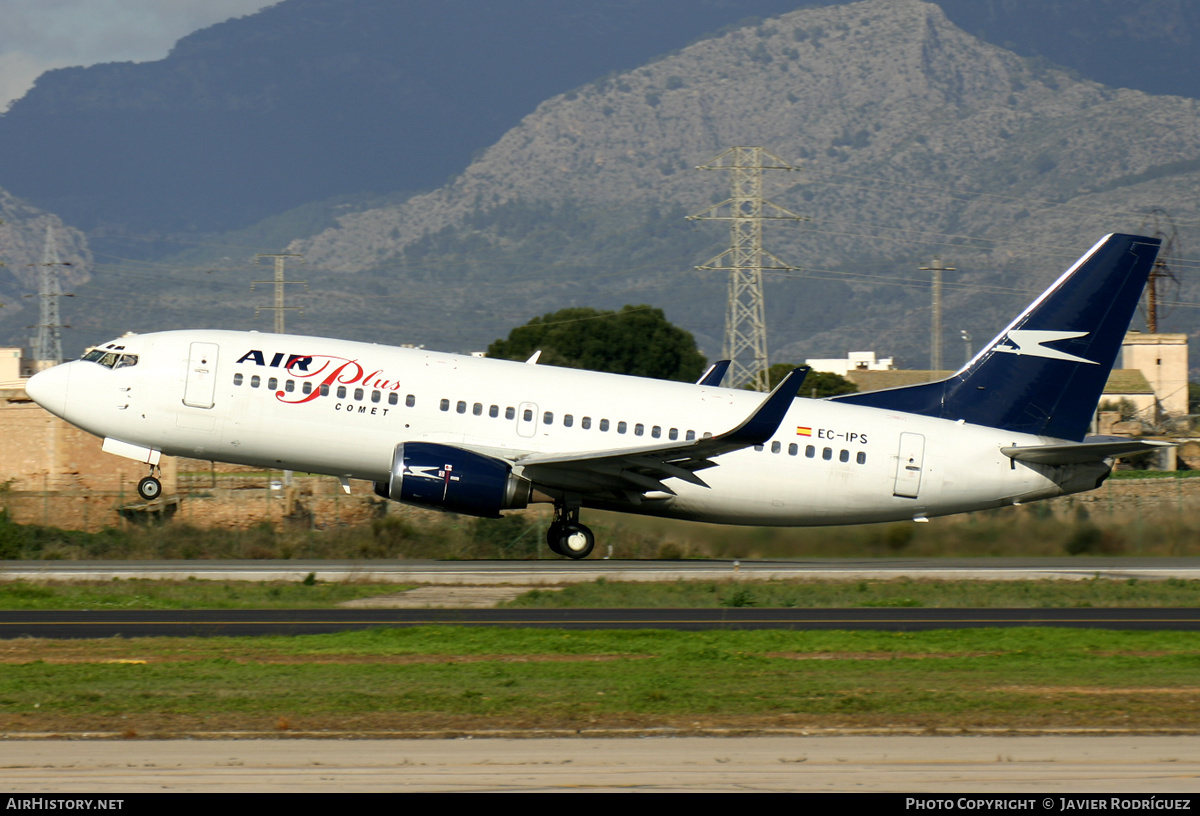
x=1050 y=766
x=1045 y=767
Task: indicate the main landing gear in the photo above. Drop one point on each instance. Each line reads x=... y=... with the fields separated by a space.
x=150 y=488
x=567 y=536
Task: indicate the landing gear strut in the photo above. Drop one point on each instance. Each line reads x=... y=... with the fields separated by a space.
x=567 y=536
x=150 y=488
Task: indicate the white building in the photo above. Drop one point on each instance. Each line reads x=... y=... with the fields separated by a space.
x=854 y=361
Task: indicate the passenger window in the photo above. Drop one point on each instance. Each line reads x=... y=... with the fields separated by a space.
x=341 y=392
x=585 y=423
x=673 y=434
x=272 y=383
x=445 y=405
x=708 y=434
x=289 y=386
x=827 y=454
x=568 y=420
x=776 y=447
x=861 y=458
x=494 y=411
x=528 y=415
x=393 y=398
x=810 y=451
x=358 y=394
x=622 y=427
x=758 y=448
x=255 y=381
x=793 y=449
x=410 y=400
x=237 y=379
x=548 y=418
x=691 y=435
x=306 y=387
x=604 y=424
x=324 y=389
x=639 y=429
x=656 y=432
x=376 y=396
x=844 y=456
x=510 y=412
x=461 y=407
x=477 y=409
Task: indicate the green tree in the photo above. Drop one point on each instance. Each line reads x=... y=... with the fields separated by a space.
x=637 y=340
x=817 y=384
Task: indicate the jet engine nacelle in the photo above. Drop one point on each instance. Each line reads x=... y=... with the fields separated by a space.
x=448 y=478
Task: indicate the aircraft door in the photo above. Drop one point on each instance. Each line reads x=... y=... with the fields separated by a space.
x=201 y=375
x=527 y=419
x=908 y=465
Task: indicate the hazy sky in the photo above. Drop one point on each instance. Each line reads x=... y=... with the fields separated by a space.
x=36 y=35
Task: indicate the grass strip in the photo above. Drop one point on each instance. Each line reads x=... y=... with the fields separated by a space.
x=193 y=594
x=899 y=592
x=435 y=678
x=604 y=594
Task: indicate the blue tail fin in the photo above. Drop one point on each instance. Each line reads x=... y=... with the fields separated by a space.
x=1044 y=373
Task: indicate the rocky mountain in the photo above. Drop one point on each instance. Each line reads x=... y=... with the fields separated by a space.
x=312 y=99
x=914 y=139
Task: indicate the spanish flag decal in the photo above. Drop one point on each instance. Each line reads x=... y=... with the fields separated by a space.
x=803 y=431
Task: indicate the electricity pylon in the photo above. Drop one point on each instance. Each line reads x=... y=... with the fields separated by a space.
x=279 y=282
x=47 y=345
x=745 y=260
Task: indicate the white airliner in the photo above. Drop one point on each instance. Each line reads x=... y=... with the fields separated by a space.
x=479 y=436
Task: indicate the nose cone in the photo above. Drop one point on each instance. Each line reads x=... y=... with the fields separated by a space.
x=49 y=388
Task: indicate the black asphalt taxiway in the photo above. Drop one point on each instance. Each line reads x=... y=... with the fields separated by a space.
x=210 y=623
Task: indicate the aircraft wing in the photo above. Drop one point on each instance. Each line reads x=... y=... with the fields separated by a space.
x=1092 y=449
x=630 y=472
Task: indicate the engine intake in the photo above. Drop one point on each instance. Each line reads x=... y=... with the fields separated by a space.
x=448 y=478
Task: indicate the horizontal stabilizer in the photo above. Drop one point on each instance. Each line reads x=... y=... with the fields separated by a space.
x=1082 y=452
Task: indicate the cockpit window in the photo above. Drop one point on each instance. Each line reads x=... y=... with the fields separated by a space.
x=111 y=359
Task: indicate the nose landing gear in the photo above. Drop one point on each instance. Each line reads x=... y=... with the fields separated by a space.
x=150 y=488
x=567 y=537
